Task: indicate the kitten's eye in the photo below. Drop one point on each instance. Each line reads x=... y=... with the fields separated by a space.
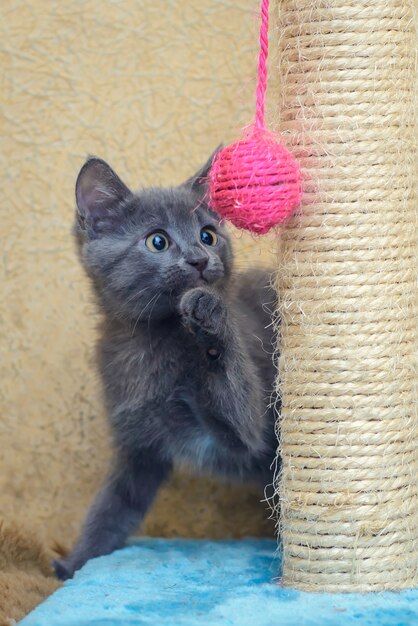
x=208 y=236
x=157 y=242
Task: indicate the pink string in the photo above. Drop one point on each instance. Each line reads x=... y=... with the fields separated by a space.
x=262 y=65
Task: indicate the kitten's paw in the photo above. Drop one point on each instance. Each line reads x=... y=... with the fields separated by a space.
x=63 y=569
x=203 y=309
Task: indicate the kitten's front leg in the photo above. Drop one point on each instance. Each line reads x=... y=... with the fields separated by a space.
x=117 y=510
x=235 y=404
x=204 y=313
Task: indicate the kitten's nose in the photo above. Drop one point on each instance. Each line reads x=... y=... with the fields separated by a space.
x=199 y=262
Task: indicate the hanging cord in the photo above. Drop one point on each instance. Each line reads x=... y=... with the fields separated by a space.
x=262 y=65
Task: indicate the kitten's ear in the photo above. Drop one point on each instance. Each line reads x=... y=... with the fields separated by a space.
x=198 y=182
x=98 y=191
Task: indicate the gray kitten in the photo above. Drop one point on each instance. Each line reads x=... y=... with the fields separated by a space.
x=185 y=349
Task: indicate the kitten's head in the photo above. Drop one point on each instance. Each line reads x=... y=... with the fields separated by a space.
x=143 y=250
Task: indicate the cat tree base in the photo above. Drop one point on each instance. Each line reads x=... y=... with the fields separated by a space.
x=208 y=583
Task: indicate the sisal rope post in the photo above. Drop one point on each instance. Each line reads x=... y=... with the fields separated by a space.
x=347 y=285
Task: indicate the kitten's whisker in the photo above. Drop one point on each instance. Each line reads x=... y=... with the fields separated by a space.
x=137 y=293
x=152 y=309
x=142 y=311
x=153 y=306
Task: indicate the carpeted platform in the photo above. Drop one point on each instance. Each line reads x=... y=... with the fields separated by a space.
x=213 y=583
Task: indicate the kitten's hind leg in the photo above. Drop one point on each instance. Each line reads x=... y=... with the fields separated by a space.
x=118 y=509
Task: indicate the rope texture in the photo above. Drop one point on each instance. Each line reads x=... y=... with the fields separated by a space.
x=262 y=65
x=255 y=182
x=347 y=282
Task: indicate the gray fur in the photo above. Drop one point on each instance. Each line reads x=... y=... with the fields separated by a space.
x=185 y=349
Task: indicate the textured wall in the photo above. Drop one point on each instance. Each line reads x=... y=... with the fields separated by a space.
x=152 y=86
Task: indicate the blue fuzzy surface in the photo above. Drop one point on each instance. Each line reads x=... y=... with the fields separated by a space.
x=168 y=582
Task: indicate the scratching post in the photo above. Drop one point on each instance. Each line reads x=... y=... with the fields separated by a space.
x=347 y=287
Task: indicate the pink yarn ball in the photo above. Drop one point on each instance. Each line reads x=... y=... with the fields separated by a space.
x=255 y=183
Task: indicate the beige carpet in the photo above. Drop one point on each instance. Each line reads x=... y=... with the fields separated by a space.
x=25 y=574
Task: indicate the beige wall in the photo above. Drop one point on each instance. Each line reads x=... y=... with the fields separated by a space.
x=152 y=86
